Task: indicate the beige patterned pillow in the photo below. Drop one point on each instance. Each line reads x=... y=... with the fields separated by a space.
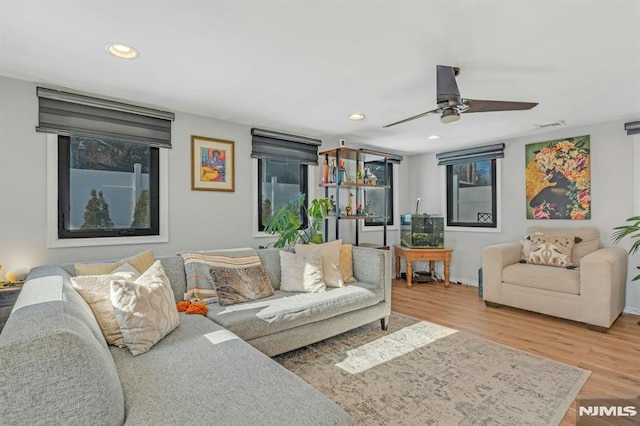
x=551 y=250
x=96 y=268
x=95 y=290
x=330 y=253
x=302 y=273
x=145 y=309
x=141 y=262
x=235 y=285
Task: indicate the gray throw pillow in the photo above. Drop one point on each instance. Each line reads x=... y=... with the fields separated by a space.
x=235 y=285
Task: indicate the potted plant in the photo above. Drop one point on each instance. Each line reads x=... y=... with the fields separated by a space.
x=632 y=231
x=286 y=221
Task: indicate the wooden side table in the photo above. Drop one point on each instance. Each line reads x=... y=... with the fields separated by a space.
x=411 y=254
x=8 y=296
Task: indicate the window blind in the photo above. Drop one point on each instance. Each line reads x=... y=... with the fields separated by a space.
x=71 y=114
x=281 y=146
x=632 y=128
x=468 y=155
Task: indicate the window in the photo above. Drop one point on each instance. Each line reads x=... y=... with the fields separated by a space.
x=283 y=162
x=107 y=159
x=278 y=181
x=107 y=188
x=471 y=194
x=374 y=199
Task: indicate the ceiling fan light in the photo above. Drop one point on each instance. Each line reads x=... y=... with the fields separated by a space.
x=449 y=115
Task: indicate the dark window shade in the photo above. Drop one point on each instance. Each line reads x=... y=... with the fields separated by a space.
x=469 y=155
x=70 y=114
x=632 y=128
x=281 y=146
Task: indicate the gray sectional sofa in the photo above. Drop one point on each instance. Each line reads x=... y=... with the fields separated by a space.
x=56 y=367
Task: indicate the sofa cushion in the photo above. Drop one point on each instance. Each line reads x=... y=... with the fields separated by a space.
x=236 y=285
x=543 y=277
x=145 y=309
x=174 y=269
x=287 y=310
x=58 y=369
x=550 y=250
x=227 y=381
x=590 y=239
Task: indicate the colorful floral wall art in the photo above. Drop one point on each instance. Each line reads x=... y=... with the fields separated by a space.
x=558 y=179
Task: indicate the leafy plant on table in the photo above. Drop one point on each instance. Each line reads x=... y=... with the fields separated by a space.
x=633 y=232
x=287 y=220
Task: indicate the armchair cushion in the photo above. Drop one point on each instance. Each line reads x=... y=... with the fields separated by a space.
x=543 y=277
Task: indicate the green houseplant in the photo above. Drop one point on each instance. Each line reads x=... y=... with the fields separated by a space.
x=286 y=221
x=632 y=231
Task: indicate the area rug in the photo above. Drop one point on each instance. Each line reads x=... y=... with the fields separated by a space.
x=419 y=373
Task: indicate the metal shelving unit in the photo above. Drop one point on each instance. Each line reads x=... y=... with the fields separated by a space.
x=360 y=156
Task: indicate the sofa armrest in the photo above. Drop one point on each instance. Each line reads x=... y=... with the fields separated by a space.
x=373 y=266
x=494 y=259
x=603 y=280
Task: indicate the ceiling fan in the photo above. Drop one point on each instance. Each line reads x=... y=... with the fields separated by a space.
x=451 y=104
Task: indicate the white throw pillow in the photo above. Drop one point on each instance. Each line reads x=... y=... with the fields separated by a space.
x=330 y=253
x=302 y=273
x=145 y=309
x=95 y=290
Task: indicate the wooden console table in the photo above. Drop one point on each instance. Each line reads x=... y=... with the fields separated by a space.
x=411 y=254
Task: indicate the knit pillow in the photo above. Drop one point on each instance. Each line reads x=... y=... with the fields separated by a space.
x=145 y=309
x=551 y=250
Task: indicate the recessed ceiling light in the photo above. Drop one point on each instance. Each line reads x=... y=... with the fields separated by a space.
x=122 y=51
x=432 y=137
x=356 y=117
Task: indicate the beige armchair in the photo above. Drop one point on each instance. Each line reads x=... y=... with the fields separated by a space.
x=592 y=293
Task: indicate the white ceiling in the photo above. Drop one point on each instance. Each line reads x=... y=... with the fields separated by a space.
x=302 y=66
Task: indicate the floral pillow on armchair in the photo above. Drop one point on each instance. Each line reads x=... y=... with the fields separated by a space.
x=551 y=250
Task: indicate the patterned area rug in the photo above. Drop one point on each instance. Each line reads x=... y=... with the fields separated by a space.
x=419 y=373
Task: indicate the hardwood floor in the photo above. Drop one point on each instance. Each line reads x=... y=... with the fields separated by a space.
x=612 y=357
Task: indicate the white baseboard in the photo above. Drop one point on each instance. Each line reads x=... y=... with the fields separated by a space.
x=635 y=310
x=463 y=281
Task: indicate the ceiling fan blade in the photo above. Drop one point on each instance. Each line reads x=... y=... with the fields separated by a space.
x=447 y=88
x=424 y=114
x=480 y=105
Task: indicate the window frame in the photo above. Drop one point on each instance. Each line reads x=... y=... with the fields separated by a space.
x=493 y=226
x=304 y=188
x=53 y=242
x=63 y=205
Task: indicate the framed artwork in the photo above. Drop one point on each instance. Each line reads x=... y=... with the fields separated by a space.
x=212 y=164
x=558 y=179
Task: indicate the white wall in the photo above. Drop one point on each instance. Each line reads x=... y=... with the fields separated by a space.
x=197 y=219
x=612 y=191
